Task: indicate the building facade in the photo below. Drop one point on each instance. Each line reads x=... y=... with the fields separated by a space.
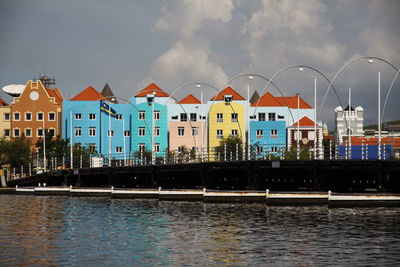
x=302 y=134
x=347 y=121
x=37 y=108
x=5 y=120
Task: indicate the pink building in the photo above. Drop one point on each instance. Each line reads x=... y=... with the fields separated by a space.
x=188 y=125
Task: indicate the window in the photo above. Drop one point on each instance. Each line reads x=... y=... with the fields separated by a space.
x=156 y=131
x=156 y=147
x=142 y=131
x=51 y=132
x=28 y=132
x=92 y=131
x=7 y=132
x=142 y=115
x=16 y=132
x=181 y=149
x=127 y=133
x=78 y=146
x=234 y=117
x=297 y=135
x=261 y=116
x=6 y=116
x=39 y=132
x=227 y=98
x=118 y=149
x=92 y=148
x=92 y=116
x=16 y=116
x=183 y=117
x=234 y=133
x=39 y=116
x=274 y=134
x=274 y=149
x=193 y=117
x=156 y=115
x=110 y=133
x=220 y=117
x=52 y=116
x=220 y=134
x=271 y=116
x=195 y=131
x=78 y=116
x=142 y=147
x=260 y=134
x=28 y=116
x=181 y=131
x=260 y=149
x=118 y=117
x=78 y=131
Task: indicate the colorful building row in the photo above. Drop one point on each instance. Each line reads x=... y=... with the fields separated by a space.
x=116 y=127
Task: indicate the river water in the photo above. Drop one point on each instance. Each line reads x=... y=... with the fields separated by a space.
x=50 y=230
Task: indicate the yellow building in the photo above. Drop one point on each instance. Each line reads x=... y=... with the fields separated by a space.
x=226 y=117
x=5 y=120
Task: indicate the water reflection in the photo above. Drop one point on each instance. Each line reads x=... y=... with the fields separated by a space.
x=108 y=232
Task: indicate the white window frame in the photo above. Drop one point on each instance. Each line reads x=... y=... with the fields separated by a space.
x=273 y=149
x=260 y=149
x=28 y=129
x=37 y=132
x=259 y=134
x=234 y=117
x=92 y=116
x=26 y=113
x=19 y=116
x=183 y=117
x=142 y=131
x=156 y=131
x=195 y=131
x=220 y=134
x=53 y=113
x=78 y=131
x=38 y=114
x=181 y=131
x=142 y=115
x=7 y=115
x=156 y=147
x=92 y=131
x=118 y=149
x=54 y=131
x=271 y=116
x=156 y=115
x=234 y=133
x=78 y=116
x=274 y=134
x=110 y=133
x=220 y=117
x=193 y=117
x=118 y=117
x=261 y=116
x=19 y=132
x=7 y=132
x=141 y=147
x=127 y=133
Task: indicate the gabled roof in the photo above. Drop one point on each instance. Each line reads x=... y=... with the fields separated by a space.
x=150 y=89
x=292 y=102
x=56 y=95
x=267 y=100
x=304 y=122
x=227 y=91
x=108 y=93
x=89 y=94
x=3 y=103
x=347 y=108
x=190 y=99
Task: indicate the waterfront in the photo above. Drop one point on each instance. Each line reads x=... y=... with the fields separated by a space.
x=106 y=232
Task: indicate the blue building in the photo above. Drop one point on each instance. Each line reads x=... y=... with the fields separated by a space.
x=151 y=102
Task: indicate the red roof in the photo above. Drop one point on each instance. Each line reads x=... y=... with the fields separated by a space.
x=52 y=93
x=150 y=89
x=268 y=100
x=304 y=122
x=227 y=91
x=89 y=94
x=3 y=103
x=357 y=140
x=190 y=99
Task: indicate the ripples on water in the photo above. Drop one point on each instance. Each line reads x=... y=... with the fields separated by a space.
x=38 y=230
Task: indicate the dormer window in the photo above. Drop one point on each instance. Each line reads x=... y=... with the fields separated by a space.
x=227 y=98
x=150 y=98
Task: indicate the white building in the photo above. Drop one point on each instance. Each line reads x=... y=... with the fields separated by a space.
x=348 y=121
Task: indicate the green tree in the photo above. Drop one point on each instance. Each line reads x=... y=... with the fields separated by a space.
x=231 y=143
x=17 y=152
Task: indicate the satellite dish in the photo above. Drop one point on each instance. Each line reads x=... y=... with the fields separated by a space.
x=14 y=89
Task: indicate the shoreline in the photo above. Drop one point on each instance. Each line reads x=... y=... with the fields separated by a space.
x=218 y=196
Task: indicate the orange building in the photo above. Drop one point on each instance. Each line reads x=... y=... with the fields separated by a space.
x=34 y=108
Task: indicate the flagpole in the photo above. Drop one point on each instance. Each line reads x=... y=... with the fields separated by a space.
x=298 y=126
x=44 y=144
x=123 y=136
x=72 y=153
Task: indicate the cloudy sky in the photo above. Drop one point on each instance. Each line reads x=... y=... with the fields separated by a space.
x=129 y=44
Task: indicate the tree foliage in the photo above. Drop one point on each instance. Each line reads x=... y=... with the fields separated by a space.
x=15 y=152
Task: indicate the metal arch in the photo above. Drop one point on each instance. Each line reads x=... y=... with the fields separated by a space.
x=348 y=63
x=387 y=96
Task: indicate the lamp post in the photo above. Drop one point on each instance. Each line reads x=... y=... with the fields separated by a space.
x=247 y=119
x=379 y=115
x=298 y=126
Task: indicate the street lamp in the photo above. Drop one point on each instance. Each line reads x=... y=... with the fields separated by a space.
x=247 y=119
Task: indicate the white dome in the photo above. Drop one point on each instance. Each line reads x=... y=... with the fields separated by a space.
x=14 y=89
x=338 y=109
x=359 y=108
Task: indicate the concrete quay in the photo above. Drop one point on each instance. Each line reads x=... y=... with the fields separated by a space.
x=218 y=196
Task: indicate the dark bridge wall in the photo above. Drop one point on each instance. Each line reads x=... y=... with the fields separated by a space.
x=320 y=175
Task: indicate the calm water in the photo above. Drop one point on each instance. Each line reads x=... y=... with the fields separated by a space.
x=38 y=230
